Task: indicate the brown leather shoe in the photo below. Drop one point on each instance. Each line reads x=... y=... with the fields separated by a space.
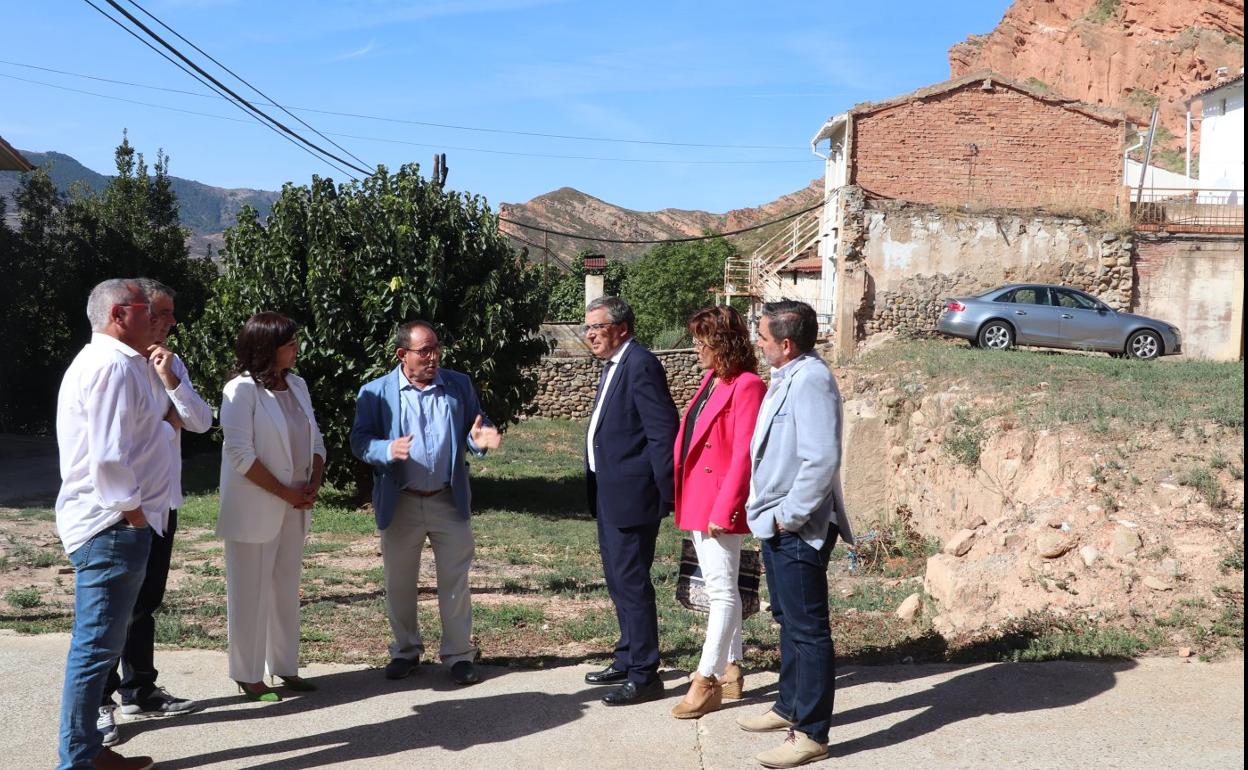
x=797 y=749
x=705 y=695
x=733 y=682
x=108 y=759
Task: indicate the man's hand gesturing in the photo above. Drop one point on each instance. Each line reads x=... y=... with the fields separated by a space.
x=485 y=436
x=401 y=448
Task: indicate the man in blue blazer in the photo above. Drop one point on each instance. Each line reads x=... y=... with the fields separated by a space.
x=413 y=426
x=628 y=466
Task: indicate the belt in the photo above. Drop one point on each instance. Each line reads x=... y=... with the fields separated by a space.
x=424 y=492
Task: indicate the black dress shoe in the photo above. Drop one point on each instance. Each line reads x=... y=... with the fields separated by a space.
x=399 y=668
x=463 y=672
x=630 y=692
x=609 y=675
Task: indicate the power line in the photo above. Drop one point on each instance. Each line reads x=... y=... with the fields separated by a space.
x=596 y=239
x=243 y=80
x=235 y=96
x=177 y=64
x=428 y=124
x=518 y=153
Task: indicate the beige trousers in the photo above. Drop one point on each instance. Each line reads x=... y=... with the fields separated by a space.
x=436 y=519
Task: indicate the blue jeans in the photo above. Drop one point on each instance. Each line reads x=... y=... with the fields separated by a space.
x=109 y=571
x=797 y=581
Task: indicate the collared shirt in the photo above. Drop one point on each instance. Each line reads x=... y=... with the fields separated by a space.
x=767 y=410
x=196 y=416
x=113 y=442
x=602 y=399
x=425 y=415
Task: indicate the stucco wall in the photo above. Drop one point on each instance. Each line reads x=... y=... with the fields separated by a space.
x=1197 y=284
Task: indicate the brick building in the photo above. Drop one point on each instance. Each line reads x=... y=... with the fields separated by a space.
x=983 y=141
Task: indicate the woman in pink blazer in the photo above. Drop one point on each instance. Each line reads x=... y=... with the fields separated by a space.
x=712 y=457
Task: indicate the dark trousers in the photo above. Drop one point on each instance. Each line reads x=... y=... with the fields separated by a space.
x=138 y=656
x=797 y=580
x=627 y=553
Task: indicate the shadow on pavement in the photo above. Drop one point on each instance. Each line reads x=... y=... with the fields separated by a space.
x=453 y=724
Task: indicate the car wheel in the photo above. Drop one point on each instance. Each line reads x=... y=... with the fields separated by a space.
x=996 y=335
x=1144 y=345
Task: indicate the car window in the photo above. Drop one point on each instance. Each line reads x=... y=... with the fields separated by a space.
x=1029 y=295
x=1073 y=299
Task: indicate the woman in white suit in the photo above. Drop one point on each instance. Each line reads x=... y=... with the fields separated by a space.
x=271 y=467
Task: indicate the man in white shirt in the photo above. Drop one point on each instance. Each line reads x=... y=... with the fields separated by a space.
x=114 y=458
x=184 y=409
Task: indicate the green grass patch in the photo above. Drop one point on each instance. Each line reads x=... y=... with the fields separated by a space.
x=23 y=598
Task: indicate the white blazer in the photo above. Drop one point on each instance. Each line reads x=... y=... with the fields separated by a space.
x=255 y=431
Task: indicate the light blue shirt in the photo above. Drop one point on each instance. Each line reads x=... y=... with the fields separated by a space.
x=426 y=417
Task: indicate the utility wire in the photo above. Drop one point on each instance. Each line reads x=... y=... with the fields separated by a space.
x=596 y=239
x=243 y=80
x=424 y=123
x=420 y=144
x=180 y=66
x=237 y=98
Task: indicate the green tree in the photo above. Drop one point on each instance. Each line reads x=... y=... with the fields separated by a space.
x=567 y=290
x=350 y=262
x=671 y=281
x=64 y=246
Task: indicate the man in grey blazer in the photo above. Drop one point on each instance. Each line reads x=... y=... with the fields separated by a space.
x=797 y=510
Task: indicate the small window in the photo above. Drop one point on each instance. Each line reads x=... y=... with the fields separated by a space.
x=1074 y=299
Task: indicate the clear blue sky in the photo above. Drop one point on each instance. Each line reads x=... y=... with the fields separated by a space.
x=758 y=73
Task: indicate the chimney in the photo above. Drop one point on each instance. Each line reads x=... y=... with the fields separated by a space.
x=595 y=278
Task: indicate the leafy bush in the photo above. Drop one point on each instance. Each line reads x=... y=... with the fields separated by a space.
x=23 y=598
x=669 y=283
x=348 y=263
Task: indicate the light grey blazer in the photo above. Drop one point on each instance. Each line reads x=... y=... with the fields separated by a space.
x=796 y=457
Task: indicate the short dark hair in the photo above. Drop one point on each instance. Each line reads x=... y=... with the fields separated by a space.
x=792 y=320
x=255 y=350
x=617 y=309
x=403 y=332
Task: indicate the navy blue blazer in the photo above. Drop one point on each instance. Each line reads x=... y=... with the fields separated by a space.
x=377 y=424
x=636 y=430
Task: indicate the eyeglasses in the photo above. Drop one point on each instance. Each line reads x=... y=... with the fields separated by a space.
x=145 y=305
x=431 y=351
x=700 y=345
x=587 y=328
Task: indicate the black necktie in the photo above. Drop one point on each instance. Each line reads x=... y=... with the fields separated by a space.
x=602 y=383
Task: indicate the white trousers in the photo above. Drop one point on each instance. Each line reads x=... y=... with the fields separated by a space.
x=262 y=602
x=434 y=518
x=720 y=560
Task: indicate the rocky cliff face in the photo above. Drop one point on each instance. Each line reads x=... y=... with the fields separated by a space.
x=571 y=210
x=1127 y=54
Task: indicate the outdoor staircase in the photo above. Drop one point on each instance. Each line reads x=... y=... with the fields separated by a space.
x=757 y=275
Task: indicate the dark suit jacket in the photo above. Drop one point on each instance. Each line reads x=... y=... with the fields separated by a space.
x=633 y=443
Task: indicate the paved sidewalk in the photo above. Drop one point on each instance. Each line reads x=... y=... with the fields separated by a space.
x=1152 y=713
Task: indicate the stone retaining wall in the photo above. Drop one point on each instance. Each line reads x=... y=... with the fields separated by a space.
x=565 y=387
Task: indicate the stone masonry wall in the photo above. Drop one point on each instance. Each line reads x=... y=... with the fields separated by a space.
x=565 y=388
x=999 y=148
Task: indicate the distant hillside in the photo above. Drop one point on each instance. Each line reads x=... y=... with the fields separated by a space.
x=205 y=210
x=571 y=210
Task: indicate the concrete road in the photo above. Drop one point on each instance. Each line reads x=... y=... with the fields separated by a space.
x=1152 y=713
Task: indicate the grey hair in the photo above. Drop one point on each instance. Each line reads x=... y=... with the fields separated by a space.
x=153 y=288
x=794 y=321
x=403 y=332
x=114 y=291
x=617 y=309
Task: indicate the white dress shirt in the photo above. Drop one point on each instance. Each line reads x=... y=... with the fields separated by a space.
x=113 y=442
x=602 y=399
x=196 y=417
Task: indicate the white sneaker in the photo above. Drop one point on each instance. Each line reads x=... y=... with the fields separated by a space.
x=107 y=726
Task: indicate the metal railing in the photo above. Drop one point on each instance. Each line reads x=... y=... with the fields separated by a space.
x=1189 y=211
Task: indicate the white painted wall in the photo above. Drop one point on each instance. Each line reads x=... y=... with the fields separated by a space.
x=1156 y=179
x=1222 y=138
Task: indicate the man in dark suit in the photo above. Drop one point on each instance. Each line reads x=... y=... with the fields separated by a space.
x=628 y=466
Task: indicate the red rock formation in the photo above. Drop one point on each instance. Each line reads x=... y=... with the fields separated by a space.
x=1128 y=54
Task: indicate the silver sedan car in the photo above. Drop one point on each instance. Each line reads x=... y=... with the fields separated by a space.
x=1055 y=317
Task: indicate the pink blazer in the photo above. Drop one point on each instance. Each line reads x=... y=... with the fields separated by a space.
x=713 y=481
